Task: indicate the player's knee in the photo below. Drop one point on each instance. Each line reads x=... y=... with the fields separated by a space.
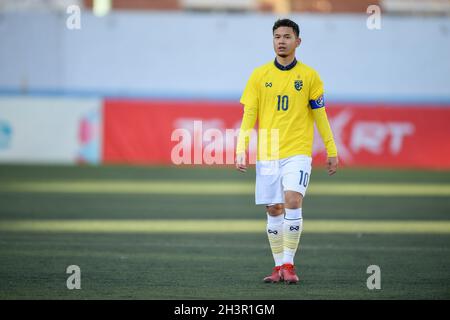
x=275 y=210
x=293 y=200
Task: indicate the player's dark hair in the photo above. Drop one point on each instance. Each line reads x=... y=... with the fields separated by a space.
x=286 y=23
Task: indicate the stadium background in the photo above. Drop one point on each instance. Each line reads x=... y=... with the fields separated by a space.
x=87 y=115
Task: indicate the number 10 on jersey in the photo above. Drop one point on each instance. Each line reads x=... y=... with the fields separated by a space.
x=283 y=103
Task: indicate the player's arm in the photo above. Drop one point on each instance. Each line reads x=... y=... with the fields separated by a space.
x=323 y=125
x=250 y=101
x=248 y=122
x=317 y=104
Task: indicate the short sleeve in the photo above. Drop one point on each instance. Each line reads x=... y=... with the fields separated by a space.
x=250 y=96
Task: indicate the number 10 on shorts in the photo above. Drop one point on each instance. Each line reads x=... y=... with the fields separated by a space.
x=304 y=177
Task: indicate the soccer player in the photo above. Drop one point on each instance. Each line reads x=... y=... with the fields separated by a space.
x=286 y=97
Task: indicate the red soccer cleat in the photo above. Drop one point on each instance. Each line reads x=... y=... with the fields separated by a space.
x=275 y=276
x=288 y=273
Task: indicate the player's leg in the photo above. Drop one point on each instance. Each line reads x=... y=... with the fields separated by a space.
x=295 y=179
x=293 y=225
x=292 y=230
x=275 y=219
x=269 y=191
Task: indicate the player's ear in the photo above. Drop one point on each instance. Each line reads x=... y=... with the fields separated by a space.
x=299 y=40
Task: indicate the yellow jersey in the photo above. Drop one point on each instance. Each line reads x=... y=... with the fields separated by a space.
x=286 y=101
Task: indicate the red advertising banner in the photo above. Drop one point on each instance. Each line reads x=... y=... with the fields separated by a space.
x=380 y=135
x=151 y=132
x=177 y=132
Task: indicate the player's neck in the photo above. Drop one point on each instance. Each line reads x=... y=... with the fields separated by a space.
x=285 y=61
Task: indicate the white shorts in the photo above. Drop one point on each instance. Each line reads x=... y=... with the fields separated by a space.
x=274 y=177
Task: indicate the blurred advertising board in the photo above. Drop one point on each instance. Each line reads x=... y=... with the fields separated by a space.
x=179 y=132
x=50 y=130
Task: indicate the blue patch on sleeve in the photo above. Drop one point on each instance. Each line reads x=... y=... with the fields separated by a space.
x=318 y=103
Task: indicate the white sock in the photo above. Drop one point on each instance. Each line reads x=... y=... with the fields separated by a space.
x=275 y=235
x=292 y=229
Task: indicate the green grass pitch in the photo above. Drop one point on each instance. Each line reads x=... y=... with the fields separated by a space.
x=195 y=233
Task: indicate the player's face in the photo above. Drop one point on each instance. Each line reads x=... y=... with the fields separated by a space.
x=285 y=41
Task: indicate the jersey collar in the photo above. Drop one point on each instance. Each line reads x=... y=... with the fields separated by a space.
x=285 y=68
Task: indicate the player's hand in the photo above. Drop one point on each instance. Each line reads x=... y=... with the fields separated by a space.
x=332 y=163
x=241 y=164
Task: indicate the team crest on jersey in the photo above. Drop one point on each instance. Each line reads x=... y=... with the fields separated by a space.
x=298 y=84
